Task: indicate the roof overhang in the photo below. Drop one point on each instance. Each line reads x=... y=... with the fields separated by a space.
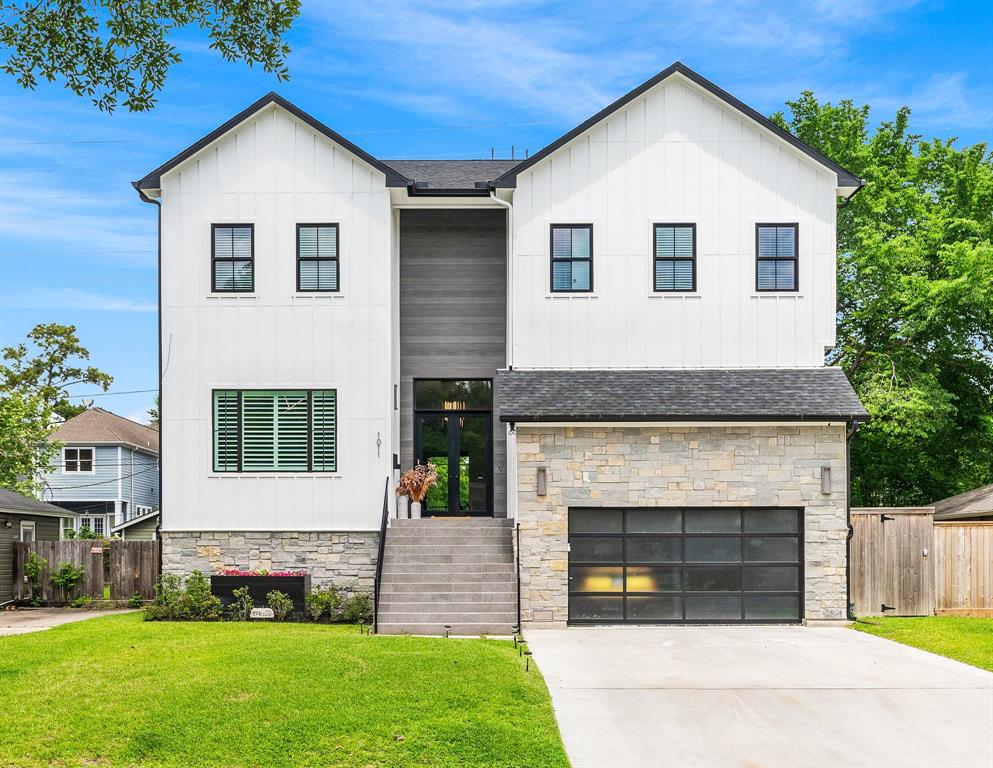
x=847 y=184
x=134 y=520
x=151 y=184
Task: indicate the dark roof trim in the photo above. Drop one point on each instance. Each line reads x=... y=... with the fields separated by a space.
x=785 y=418
x=845 y=177
x=153 y=179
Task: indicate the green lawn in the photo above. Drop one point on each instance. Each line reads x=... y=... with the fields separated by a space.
x=116 y=691
x=957 y=637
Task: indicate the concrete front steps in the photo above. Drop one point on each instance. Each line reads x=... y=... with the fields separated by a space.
x=452 y=571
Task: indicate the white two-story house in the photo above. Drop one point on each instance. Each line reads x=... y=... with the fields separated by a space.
x=617 y=343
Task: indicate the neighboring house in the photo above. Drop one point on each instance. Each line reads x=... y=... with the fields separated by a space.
x=617 y=342
x=975 y=505
x=23 y=519
x=107 y=471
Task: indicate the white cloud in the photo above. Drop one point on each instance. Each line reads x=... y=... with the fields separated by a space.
x=71 y=298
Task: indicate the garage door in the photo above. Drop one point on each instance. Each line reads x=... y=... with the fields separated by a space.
x=688 y=565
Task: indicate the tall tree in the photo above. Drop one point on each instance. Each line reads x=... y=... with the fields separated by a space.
x=25 y=424
x=112 y=49
x=46 y=369
x=915 y=302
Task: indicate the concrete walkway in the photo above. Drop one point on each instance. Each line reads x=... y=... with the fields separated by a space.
x=790 y=697
x=25 y=620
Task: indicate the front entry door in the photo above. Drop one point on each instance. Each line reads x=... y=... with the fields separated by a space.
x=457 y=438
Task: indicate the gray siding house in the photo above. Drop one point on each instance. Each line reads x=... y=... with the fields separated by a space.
x=23 y=519
x=106 y=471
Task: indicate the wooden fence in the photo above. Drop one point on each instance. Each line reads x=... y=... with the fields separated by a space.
x=904 y=564
x=128 y=567
x=964 y=559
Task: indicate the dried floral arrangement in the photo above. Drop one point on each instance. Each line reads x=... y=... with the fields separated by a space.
x=416 y=482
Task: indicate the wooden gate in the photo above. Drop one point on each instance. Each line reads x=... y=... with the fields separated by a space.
x=133 y=569
x=892 y=562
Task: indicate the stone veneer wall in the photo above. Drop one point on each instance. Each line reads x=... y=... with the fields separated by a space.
x=345 y=559
x=678 y=466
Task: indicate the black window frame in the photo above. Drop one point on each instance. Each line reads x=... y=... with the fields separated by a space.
x=571 y=259
x=777 y=258
x=78 y=461
x=310 y=434
x=336 y=258
x=214 y=258
x=656 y=258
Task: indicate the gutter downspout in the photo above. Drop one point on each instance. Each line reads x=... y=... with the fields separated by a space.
x=158 y=205
x=849 y=612
x=511 y=468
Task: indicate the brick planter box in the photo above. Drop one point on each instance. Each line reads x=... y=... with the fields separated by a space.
x=296 y=587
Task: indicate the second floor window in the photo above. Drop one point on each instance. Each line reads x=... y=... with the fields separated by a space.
x=77 y=460
x=317 y=257
x=776 y=247
x=675 y=257
x=572 y=258
x=232 y=258
x=275 y=430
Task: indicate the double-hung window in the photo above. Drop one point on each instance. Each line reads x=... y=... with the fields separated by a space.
x=77 y=460
x=675 y=257
x=232 y=258
x=317 y=257
x=776 y=254
x=572 y=258
x=291 y=430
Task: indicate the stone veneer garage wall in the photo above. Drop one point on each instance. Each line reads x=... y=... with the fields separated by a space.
x=679 y=466
x=345 y=559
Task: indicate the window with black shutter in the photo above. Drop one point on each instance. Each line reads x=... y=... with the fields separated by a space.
x=675 y=257
x=572 y=258
x=317 y=257
x=776 y=248
x=232 y=257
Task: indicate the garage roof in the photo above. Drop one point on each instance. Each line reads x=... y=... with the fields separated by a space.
x=747 y=394
x=12 y=502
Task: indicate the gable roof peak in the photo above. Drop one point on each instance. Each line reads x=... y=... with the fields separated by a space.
x=846 y=179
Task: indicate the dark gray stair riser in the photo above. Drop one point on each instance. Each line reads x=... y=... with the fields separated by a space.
x=449 y=617
x=466 y=630
x=504 y=569
x=447 y=588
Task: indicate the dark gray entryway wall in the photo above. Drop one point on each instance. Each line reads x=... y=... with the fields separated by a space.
x=453 y=312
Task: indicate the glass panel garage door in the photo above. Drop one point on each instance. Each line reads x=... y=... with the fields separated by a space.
x=685 y=565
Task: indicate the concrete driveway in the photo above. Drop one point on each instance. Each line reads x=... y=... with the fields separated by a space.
x=26 y=620
x=794 y=697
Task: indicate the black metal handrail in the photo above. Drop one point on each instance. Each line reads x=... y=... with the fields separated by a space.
x=379 y=559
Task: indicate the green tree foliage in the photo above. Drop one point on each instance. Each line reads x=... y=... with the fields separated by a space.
x=51 y=365
x=25 y=424
x=108 y=49
x=915 y=302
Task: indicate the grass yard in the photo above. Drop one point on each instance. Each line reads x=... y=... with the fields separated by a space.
x=957 y=637
x=116 y=691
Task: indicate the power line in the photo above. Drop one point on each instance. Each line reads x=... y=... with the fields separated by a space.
x=121 y=392
x=81 y=141
x=102 y=482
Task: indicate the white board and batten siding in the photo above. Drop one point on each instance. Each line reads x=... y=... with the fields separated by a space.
x=274 y=171
x=674 y=155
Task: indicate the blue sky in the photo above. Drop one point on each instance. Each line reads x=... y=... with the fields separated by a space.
x=433 y=80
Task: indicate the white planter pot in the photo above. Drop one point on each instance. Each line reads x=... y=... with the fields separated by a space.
x=415 y=510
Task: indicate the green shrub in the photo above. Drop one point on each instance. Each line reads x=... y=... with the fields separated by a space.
x=135 y=601
x=357 y=607
x=32 y=571
x=176 y=601
x=242 y=605
x=281 y=604
x=80 y=602
x=67 y=577
x=323 y=604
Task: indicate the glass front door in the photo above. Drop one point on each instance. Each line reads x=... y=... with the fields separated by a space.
x=453 y=430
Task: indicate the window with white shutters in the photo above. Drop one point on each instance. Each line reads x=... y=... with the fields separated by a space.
x=232 y=252
x=776 y=247
x=675 y=257
x=317 y=258
x=572 y=258
x=275 y=430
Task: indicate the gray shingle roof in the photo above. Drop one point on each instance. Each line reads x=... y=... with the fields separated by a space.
x=780 y=394
x=98 y=426
x=451 y=174
x=11 y=501
x=975 y=503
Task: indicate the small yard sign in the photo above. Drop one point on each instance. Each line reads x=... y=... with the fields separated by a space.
x=97 y=550
x=262 y=613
